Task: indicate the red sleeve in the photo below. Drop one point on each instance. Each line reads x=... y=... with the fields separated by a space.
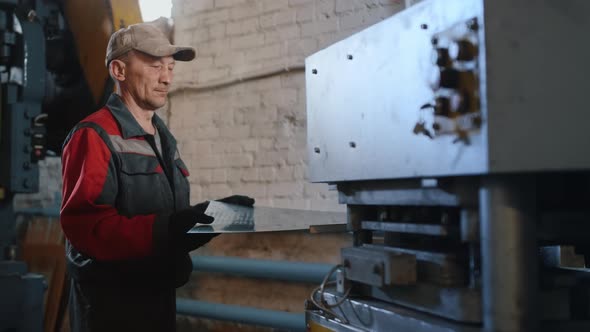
x=94 y=229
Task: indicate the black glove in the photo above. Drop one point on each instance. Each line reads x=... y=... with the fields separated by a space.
x=238 y=200
x=182 y=221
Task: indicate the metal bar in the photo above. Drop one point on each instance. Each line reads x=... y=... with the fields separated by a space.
x=264 y=269
x=399 y=227
x=240 y=314
x=508 y=249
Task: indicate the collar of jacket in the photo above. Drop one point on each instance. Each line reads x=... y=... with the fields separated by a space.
x=128 y=124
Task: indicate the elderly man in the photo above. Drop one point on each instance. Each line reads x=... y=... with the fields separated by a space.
x=125 y=208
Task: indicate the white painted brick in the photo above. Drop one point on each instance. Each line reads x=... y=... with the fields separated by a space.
x=324 y=8
x=285 y=173
x=302 y=47
x=200 y=148
x=282 y=97
x=217 y=31
x=271 y=5
x=214 y=74
x=235 y=132
x=285 y=189
x=314 y=190
x=296 y=157
x=267 y=173
x=227 y=147
x=213 y=47
x=247 y=41
x=265 y=84
x=245 y=69
x=224 y=117
x=319 y=27
x=293 y=80
x=249 y=145
x=264 y=53
x=269 y=159
x=263 y=130
x=227 y=3
x=243 y=27
x=219 y=176
x=285 y=16
x=254 y=190
x=245 y=11
x=282 y=34
x=249 y=175
x=200 y=63
x=206 y=133
x=199 y=36
x=238 y=160
x=228 y=59
x=299 y=172
x=208 y=161
x=201 y=5
x=251 y=99
x=266 y=144
x=294 y=3
x=218 y=190
x=234 y=176
x=352 y=20
x=212 y=17
x=305 y=14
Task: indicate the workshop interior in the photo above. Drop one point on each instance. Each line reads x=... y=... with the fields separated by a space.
x=450 y=136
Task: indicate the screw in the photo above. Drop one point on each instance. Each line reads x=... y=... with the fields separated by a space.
x=377 y=269
x=316 y=150
x=434 y=41
x=352 y=144
x=424 y=26
x=346 y=263
x=349 y=57
x=314 y=71
x=472 y=24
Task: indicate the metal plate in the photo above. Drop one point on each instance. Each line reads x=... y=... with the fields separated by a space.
x=230 y=218
x=365 y=97
x=365 y=92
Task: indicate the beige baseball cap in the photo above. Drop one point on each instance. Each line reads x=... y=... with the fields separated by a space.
x=148 y=38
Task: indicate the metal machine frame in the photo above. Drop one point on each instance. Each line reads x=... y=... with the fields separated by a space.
x=450 y=135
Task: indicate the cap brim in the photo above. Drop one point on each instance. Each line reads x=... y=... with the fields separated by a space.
x=180 y=53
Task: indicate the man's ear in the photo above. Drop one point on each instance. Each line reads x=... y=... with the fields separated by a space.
x=117 y=70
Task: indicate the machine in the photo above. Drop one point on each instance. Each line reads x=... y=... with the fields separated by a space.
x=51 y=76
x=454 y=132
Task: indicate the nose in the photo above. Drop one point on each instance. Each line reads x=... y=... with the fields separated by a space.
x=166 y=76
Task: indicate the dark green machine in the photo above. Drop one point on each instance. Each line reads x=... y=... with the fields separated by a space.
x=39 y=76
x=22 y=86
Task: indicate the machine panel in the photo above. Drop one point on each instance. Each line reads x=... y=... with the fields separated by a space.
x=452 y=87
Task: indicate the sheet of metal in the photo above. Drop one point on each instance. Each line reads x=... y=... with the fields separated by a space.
x=364 y=96
x=230 y=218
x=366 y=93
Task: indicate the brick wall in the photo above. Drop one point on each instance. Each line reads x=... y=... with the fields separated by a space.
x=238 y=112
x=249 y=136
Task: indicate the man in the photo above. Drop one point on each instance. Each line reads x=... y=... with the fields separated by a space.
x=125 y=210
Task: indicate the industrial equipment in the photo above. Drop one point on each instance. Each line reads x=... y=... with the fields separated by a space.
x=454 y=133
x=51 y=76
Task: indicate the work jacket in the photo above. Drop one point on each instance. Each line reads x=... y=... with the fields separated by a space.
x=118 y=191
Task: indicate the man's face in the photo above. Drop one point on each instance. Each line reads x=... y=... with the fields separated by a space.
x=148 y=78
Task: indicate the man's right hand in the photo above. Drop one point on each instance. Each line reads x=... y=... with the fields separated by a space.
x=182 y=221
